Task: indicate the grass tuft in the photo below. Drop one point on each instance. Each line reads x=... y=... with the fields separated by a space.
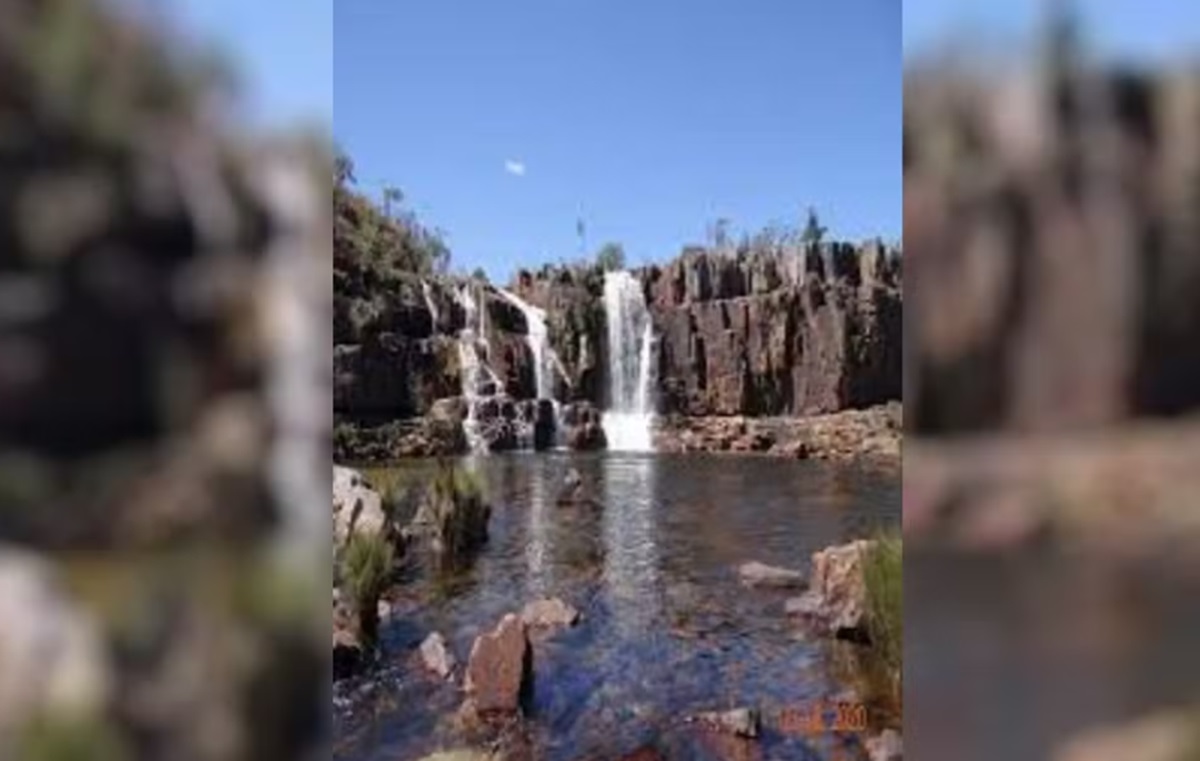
x=883 y=574
x=366 y=569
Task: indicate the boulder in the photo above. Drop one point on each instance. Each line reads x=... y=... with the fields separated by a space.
x=549 y=613
x=835 y=603
x=357 y=508
x=500 y=670
x=755 y=574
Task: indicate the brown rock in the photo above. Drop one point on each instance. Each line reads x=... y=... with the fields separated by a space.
x=835 y=602
x=500 y=669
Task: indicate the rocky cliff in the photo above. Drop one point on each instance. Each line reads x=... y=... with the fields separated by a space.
x=783 y=332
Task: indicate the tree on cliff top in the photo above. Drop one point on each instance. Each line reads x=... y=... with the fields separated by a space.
x=814 y=231
x=367 y=237
x=611 y=257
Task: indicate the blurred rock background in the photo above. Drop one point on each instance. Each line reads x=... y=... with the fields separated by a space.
x=1052 y=385
x=164 y=400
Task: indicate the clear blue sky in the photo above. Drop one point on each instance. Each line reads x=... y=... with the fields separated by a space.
x=1146 y=30
x=502 y=122
x=284 y=51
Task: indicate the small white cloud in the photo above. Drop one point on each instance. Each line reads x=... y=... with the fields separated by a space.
x=515 y=168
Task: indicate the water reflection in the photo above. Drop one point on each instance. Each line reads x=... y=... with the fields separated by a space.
x=538 y=581
x=1009 y=656
x=631 y=557
x=650 y=560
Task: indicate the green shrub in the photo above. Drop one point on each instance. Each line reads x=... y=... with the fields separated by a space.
x=883 y=568
x=366 y=568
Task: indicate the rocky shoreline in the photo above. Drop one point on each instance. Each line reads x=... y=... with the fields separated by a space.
x=871 y=434
x=874 y=434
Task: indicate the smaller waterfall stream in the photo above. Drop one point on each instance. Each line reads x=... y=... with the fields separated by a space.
x=545 y=360
x=628 y=419
x=474 y=372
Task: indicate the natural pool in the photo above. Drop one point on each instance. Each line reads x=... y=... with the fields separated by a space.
x=667 y=629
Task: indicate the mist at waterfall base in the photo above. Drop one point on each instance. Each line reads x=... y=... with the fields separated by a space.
x=666 y=629
x=627 y=422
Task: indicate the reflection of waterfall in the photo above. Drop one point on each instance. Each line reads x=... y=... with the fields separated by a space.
x=630 y=335
x=538 y=539
x=545 y=360
x=630 y=540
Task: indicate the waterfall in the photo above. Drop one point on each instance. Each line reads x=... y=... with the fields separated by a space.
x=630 y=337
x=545 y=360
x=430 y=304
x=472 y=370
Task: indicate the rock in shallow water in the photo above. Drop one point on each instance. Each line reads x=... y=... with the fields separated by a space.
x=743 y=722
x=436 y=656
x=887 y=746
x=547 y=613
x=757 y=574
x=836 y=600
x=500 y=669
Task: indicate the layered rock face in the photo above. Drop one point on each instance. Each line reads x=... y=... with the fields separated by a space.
x=782 y=332
x=1050 y=224
x=789 y=332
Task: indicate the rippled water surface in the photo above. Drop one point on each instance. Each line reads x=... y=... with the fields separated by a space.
x=667 y=628
x=1010 y=656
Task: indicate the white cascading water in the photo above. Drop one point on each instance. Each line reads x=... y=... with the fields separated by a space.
x=545 y=360
x=630 y=414
x=429 y=303
x=471 y=368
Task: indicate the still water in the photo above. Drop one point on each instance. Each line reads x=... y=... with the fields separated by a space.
x=667 y=628
x=1011 y=655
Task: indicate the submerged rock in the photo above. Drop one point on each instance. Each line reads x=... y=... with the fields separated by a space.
x=500 y=670
x=547 y=613
x=887 y=746
x=572 y=490
x=743 y=722
x=436 y=657
x=755 y=574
